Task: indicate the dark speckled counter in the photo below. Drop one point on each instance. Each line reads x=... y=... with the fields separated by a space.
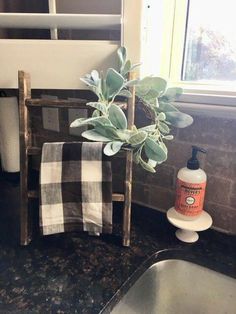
x=75 y=273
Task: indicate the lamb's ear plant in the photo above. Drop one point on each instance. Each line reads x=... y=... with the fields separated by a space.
x=108 y=121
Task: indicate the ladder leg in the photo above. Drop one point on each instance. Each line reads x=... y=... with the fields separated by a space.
x=24 y=93
x=127 y=203
x=25 y=230
x=128 y=171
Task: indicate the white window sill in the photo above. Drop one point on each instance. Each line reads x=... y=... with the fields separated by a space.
x=211 y=99
x=206 y=109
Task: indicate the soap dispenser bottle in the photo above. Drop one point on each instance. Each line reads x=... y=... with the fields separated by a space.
x=190 y=188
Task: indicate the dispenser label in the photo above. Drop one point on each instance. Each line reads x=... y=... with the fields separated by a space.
x=189 y=198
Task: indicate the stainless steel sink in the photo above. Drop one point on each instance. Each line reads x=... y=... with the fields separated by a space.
x=179 y=287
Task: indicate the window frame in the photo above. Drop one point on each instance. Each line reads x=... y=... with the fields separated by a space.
x=171 y=51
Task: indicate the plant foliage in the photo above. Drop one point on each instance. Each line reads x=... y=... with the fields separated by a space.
x=109 y=123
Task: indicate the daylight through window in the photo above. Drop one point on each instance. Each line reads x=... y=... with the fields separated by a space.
x=210 y=42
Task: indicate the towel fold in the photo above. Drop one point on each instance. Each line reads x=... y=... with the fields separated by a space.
x=76 y=188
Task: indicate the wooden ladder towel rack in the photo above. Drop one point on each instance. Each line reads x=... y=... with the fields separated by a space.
x=27 y=149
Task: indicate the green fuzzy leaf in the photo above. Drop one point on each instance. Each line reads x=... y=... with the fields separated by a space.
x=134 y=66
x=110 y=122
x=156 y=103
x=126 y=67
x=146 y=166
x=148 y=128
x=103 y=88
x=108 y=151
x=123 y=135
x=131 y=83
x=82 y=121
x=117 y=117
x=134 y=129
x=137 y=138
x=77 y=123
x=155 y=137
x=95 y=77
x=154 y=151
x=152 y=163
x=136 y=157
x=108 y=131
x=116 y=145
x=164 y=128
x=114 y=82
x=88 y=76
x=125 y=93
x=103 y=122
x=90 y=121
x=161 y=116
x=150 y=97
x=92 y=135
x=144 y=86
x=166 y=107
x=122 y=54
x=112 y=148
x=99 y=106
x=88 y=81
x=112 y=132
x=172 y=93
x=179 y=119
x=168 y=137
x=95 y=114
x=163 y=146
x=151 y=87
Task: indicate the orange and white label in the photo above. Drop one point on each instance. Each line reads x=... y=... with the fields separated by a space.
x=189 y=198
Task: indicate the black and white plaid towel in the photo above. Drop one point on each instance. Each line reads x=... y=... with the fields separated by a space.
x=76 y=188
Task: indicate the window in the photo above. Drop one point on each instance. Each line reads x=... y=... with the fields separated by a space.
x=210 y=42
x=195 y=43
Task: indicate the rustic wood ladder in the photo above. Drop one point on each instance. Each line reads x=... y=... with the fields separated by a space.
x=27 y=150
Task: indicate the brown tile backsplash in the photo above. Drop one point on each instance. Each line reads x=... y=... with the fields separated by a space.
x=218 y=137
x=233 y=201
x=160 y=197
x=233 y=195
x=164 y=177
x=218 y=190
x=221 y=163
x=214 y=132
x=179 y=152
x=140 y=192
x=224 y=217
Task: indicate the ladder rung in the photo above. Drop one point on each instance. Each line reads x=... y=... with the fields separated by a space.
x=64 y=103
x=58 y=103
x=37 y=151
x=116 y=197
x=34 y=150
x=33 y=194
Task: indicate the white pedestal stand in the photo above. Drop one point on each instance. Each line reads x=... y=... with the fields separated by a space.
x=187 y=232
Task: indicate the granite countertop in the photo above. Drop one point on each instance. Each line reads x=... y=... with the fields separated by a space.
x=75 y=273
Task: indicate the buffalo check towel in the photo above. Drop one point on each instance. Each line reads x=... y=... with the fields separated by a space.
x=75 y=188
